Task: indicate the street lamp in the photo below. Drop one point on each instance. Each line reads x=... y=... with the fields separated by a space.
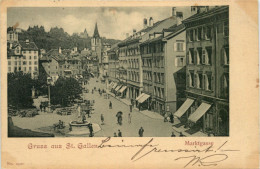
x=49 y=81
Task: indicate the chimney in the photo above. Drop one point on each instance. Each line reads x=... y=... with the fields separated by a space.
x=59 y=50
x=27 y=41
x=145 y=23
x=173 y=11
x=194 y=10
x=127 y=35
x=179 y=17
x=151 y=21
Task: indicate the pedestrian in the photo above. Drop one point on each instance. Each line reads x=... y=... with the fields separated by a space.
x=131 y=107
x=119 y=133
x=92 y=91
x=181 y=135
x=141 y=132
x=44 y=108
x=110 y=105
x=115 y=134
x=41 y=107
x=90 y=130
x=129 y=118
x=99 y=90
x=165 y=117
x=83 y=118
x=172 y=118
x=173 y=135
x=102 y=119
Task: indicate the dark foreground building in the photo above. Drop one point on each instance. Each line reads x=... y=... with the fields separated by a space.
x=207 y=85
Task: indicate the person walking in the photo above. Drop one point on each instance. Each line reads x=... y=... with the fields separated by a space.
x=131 y=107
x=115 y=134
x=119 y=133
x=110 y=105
x=129 y=118
x=90 y=130
x=44 y=108
x=141 y=132
x=172 y=118
x=181 y=135
x=173 y=135
x=102 y=119
x=41 y=107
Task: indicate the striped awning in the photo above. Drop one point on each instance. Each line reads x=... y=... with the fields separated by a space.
x=122 y=89
x=184 y=107
x=139 y=96
x=143 y=98
x=200 y=111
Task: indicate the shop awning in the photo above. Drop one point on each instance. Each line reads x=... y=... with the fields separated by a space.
x=143 y=98
x=122 y=89
x=201 y=110
x=139 y=96
x=117 y=88
x=111 y=84
x=184 y=107
x=114 y=86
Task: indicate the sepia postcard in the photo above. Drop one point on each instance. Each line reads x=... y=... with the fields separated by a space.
x=129 y=84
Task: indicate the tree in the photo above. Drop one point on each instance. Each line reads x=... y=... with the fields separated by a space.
x=65 y=91
x=19 y=90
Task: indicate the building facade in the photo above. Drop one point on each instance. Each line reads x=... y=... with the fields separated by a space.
x=22 y=56
x=207 y=72
x=163 y=62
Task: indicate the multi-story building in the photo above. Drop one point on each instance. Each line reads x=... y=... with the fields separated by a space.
x=163 y=62
x=207 y=72
x=62 y=64
x=22 y=56
x=113 y=65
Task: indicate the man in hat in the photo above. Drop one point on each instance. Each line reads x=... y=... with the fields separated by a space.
x=102 y=119
x=110 y=105
x=90 y=130
x=119 y=133
x=172 y=118
x=141 y=132
x=173 y=135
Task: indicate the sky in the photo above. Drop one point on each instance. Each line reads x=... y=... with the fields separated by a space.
x=113 y=22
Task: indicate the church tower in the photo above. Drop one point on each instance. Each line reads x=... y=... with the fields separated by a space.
x=96 y=40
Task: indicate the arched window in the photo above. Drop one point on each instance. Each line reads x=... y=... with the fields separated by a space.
x=226 y=55
x=191 y=56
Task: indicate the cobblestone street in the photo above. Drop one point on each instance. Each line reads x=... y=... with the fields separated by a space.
x=152 y=127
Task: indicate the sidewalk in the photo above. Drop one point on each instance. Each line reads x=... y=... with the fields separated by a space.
x=148 y=113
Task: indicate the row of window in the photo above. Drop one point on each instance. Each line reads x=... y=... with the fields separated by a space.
x=24 y=62
x=204 y=55
x=158 y=77
x=20 y=69
x=30 y=52
x=24 y=57
x=152 y=48
x=134 y=76
x=205 y=32
x=200 y=56
x=147 y=75
x=134 y=63
x=159 y=92
x=200 y=80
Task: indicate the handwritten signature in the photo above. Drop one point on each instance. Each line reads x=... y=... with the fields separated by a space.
x=208 y=156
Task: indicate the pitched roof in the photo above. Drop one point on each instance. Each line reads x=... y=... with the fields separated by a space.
x=28 y=45
x=205 y=14
x=96 y=34
x=131 y=40
x=175 y=30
